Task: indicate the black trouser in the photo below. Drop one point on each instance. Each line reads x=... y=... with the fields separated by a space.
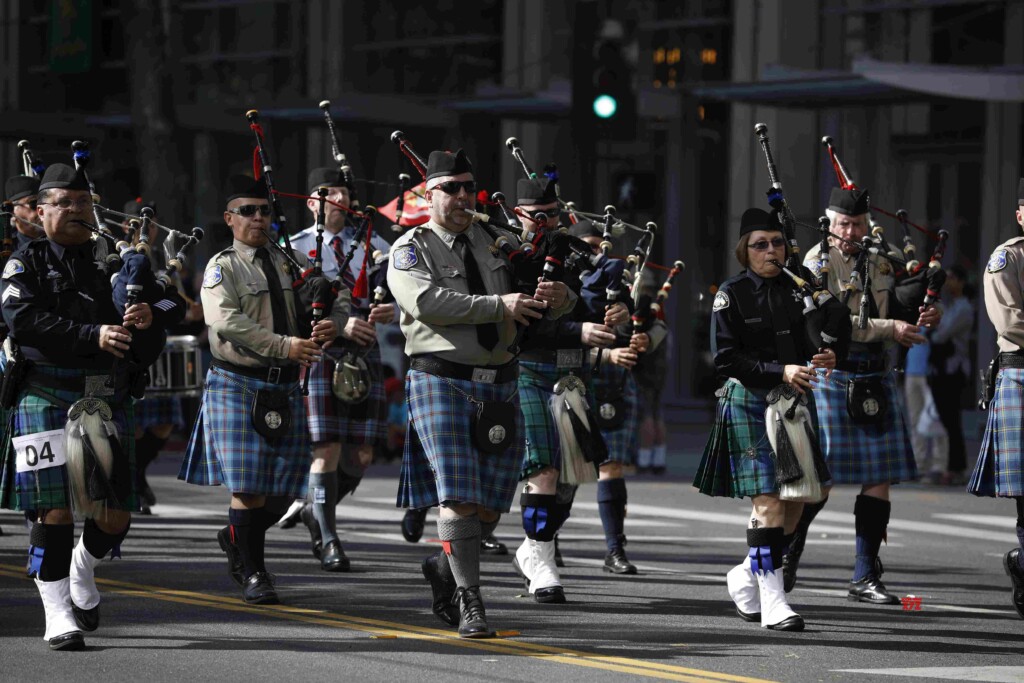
x=947 y=391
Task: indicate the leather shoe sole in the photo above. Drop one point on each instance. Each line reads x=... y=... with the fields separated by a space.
x=749 y=616
x=794 y=623
x=87 y=619
x=68 y=641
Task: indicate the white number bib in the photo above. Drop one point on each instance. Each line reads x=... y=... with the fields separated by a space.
x=40 y=451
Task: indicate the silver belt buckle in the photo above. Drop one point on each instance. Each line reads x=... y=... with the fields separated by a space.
x=96 y=385
x=568 y=358
x=485 y=375
x=274 y=375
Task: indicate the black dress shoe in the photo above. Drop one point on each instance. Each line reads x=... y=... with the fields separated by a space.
x=332 y=558
x=870 y=589
x=235 y=566
x=412 y=524
x=555 y=595
x=472 y=617
x=1011 y=563
x=291 y=520
x=749 y=616
x=559 y=562
x=790 y=563
x=316 y=541
x=442 y=586
x=68 y=641
x=617 y=563
x=794 y=623
x=492 y=546
x=259 y=590
x=87 y=619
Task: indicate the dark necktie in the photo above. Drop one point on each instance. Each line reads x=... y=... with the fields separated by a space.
x=346 y=275
x=486 y=333
x=277 y=306
x=785 y=343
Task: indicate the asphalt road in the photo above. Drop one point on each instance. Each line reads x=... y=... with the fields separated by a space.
x=170 y=612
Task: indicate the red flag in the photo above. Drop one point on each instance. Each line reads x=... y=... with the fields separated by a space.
x=415 y=212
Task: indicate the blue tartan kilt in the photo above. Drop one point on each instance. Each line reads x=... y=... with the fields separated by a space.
x=49 y=488
x=624 y=441
x=1000 y=467
x=159 y=410
x=331 y=420
x=440 y=462
x=863 y=453
x=224 y=448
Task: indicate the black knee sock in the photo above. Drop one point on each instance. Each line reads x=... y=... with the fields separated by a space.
x=50 y=551
x=543 y=515
x=611 y=504
x=871 y=517
x=765 y=549
x=98 y=543
x=799 y=536
x=147 y=447
x=248 y=534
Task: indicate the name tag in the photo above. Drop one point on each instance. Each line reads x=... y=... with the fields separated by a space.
x=39 y=451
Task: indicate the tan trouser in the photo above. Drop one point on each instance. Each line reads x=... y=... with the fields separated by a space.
x=930 y=452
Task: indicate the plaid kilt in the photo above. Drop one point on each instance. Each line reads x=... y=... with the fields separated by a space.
x=863 y=453
x=1000 y=467
x=738 y=460
x=331 y=420
x=440 y=462
x=536 y=382
x=159 y=410
x=624 y=441
x=225 y=448
x=49 y=488
x=650 y=374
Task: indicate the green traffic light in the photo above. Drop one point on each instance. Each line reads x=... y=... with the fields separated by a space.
x=605 y=106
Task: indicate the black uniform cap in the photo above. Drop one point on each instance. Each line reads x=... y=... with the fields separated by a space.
x=1020 y=192
x=20 y=186
x=849 y=202
x=64 y=177
x=245 y=187
x=441 y=163
x=758 y=219
x=535 y=191
x=326 y=177
x=585 y=228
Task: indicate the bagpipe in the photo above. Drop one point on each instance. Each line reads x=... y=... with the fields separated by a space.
x=917 y=285
x=827 y=323
x=777 y=199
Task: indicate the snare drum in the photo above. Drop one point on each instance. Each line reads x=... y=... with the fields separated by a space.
x=179 y=369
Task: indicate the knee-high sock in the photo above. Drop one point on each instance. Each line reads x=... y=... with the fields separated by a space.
x=147 y=448
x=543 y=515
x=871 y=517
x=486 y=529
x=323 y=498
x=1020 y=529
x=461 y=539
x=611 y=504
x=799 y=536
x=50 y=549
x=249 y=535
x=765 y=549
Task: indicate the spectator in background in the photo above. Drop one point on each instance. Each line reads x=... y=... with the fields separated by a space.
x=950 y=365
x=928 y=440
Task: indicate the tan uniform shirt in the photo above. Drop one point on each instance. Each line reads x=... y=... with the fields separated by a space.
x=840 y=266
x=1004 y=299
x=438 y=314
x=236 y=304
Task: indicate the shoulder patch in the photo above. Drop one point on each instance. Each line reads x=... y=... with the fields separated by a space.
x=995 y=263
x=405 y=257
x=214 y=276
x=13 y=267
x=721 y=301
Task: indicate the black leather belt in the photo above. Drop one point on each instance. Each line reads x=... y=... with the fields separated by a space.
x=862 y=366
x=94 y=383
x=1011 y=360
x=274 y=374
x=560 y=358
x=487 y=374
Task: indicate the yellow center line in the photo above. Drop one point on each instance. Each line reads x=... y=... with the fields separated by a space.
x=377 y=627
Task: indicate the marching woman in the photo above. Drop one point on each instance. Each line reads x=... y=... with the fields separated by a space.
x=762 y=347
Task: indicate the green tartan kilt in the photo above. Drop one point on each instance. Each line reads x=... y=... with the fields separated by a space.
x=536 y=384
x=49 y=489
x=738 y=459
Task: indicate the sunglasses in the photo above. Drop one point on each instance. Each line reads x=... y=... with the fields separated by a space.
x=68 y=205
x=249 y=210
x=452 y=186
x=540 y=215
x=762 y=245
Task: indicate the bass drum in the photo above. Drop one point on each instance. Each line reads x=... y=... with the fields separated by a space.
x=179 y=369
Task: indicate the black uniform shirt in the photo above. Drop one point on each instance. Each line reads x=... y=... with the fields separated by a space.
x=751 y=341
